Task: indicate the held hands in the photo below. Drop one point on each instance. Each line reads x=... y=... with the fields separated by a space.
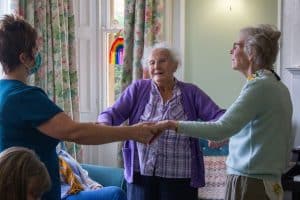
x=167 y=124
x=146 y=132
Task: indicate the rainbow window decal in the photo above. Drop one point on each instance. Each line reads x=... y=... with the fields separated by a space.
x=116 y=52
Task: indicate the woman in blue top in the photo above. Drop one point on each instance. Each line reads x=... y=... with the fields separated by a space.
x=29 y=118
x=258 y=123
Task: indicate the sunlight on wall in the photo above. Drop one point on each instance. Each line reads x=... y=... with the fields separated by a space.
x=211 y=28
x=229 y=6
x=226 y=9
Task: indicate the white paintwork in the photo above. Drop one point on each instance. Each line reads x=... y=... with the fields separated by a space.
x=178 y=34
x=294 y=87
x=290 y=56
x=91 y=61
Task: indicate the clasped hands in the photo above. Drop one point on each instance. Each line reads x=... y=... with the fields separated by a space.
x=148 y=131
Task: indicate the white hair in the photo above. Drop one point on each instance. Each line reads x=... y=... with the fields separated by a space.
x=174 y=55
x=263 y=42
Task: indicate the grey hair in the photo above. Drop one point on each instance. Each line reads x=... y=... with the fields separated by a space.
x=174 y=55
x=262 y=43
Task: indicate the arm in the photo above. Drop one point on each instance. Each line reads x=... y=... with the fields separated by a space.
x=120 y=110
x=38 y=111
x=63 y=127
x=206 y=108
x=241 y=112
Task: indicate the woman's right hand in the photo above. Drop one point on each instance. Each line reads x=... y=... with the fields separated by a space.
x=167 y=124
x=145 y=132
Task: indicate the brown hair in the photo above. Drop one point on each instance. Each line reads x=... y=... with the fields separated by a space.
x=16 y=37
x=262 y=42
x=18 y=166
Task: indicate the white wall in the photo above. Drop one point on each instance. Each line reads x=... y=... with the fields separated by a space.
x=211 y=28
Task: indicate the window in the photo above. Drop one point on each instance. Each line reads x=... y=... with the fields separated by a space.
x=115 y=48
x=4 y=9
x=98 y=24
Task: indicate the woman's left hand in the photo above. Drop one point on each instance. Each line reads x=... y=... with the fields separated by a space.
x=216 y=144
x=167 y=124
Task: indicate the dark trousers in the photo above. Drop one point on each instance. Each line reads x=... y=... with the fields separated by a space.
x=157 y=188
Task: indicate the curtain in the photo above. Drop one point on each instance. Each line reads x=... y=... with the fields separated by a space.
x=143 y=26
x=54 y=22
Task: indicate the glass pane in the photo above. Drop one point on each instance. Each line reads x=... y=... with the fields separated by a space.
x=4 y=9
x=117 y=18
x=7 y=6
x=115 y=47
x=115 y=65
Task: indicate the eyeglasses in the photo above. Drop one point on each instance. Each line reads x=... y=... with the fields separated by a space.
x=235 y=44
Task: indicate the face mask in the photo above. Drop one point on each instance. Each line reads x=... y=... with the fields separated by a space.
x=37 y=64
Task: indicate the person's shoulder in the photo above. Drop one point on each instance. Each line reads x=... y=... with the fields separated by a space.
x=20 y=96
x=262 y=82
x=257 y=87
x=255 y=82
x=189 y=87
x=187 y=84
x=31 y=91
x=22 y=90
x=140 y=84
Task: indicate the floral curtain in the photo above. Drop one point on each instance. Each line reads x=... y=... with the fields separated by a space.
x=54 y=22
x=143 y=27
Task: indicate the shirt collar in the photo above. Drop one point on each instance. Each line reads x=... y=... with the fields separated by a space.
x=259 y=73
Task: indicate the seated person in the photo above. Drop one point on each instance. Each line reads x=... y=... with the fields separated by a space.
x=22 y=175
x=76 y=184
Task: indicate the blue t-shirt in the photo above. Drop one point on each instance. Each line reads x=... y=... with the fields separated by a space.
x=22 y=109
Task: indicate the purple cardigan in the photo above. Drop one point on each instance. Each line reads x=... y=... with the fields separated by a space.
x=131 y=104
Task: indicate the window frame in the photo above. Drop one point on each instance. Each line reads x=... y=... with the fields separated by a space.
x=106 y=8
x=4 y=9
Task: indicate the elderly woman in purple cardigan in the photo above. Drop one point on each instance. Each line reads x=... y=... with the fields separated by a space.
x=171 y=167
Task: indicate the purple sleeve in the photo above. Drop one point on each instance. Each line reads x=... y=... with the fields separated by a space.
x=207 y=109
x=121 y=109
